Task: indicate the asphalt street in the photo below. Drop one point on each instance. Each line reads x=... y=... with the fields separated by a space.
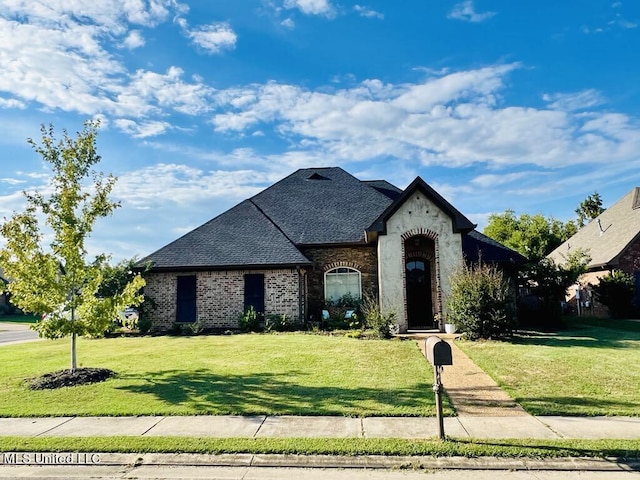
x=148 y=472
x=12 y=333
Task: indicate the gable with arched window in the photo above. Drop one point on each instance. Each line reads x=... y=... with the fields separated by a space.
x=342 y=281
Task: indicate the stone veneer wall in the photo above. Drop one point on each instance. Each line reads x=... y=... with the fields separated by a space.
x=220 y=296
x=418 y=216
x=363 y=259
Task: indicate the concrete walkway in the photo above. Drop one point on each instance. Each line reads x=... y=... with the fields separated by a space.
x=502 y=427
x=470 y=389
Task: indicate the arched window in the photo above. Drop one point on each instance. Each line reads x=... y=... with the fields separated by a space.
x=342 y=281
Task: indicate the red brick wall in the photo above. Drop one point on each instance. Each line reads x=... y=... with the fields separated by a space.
x=364 y=259
x=630 y=258
x=220 y=296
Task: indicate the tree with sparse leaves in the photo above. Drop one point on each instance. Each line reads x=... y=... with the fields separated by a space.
x=589 y=209
x=57 y=279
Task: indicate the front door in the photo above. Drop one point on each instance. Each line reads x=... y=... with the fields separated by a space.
x=419 y=301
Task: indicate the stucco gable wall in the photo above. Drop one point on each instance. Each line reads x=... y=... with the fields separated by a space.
x=418 y=215
x=220 y=296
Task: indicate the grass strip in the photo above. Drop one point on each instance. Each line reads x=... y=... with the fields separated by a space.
x=19 y=318
x=510 y=448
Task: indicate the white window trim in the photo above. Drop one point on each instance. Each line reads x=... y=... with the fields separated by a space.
x=351 y=271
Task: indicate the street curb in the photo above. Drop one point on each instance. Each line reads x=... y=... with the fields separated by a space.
x=326 y=461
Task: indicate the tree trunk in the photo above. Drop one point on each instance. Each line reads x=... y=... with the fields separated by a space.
x=74 y=363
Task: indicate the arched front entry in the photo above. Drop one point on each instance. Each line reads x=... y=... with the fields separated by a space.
x=419 y=301
x=420 y=283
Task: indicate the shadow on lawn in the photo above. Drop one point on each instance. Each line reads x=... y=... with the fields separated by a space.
x=578 y=448
x=576 y=405
x=586 y=337
x=262 y=393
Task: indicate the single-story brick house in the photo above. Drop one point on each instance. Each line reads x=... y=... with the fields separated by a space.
x=314 y=236
x=612 y=240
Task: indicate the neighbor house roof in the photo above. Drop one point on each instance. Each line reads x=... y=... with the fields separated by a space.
x=607 y=236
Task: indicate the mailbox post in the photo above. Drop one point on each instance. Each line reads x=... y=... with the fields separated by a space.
x=438 y=352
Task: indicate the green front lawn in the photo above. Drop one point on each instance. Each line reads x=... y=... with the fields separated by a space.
x=294 y=374
x=592 y=367
x=622 y=450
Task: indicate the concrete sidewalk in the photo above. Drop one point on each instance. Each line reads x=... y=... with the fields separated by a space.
x=502 y=427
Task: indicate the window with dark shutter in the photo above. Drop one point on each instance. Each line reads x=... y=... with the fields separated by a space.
x=186 y=300
x=254 y=292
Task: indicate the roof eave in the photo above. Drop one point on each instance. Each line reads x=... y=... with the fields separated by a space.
x=204 y=268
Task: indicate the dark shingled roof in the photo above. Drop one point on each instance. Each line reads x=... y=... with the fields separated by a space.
x=313 y=206
x=322 y=206
x=385 y=188
x=242 y=236
x=476 y=245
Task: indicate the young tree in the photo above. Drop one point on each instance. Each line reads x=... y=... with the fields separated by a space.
x=58 y=280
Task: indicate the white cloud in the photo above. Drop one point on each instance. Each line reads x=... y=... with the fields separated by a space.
x=60 y=60
x=465 y=11
x=133 y=40
x=573 y=101
x=11 y=103
x=492 y=180
x=454 y=120
x=617 y=20
x=367 y=12
x=11 y=181
x=213 y=38
x=142 y=129
x=311 y=7
x=148 y=91
x=288 y=23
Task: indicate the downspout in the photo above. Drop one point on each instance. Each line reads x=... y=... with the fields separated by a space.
x=301 y=296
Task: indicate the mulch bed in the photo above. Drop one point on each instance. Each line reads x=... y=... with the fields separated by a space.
x=67 y=378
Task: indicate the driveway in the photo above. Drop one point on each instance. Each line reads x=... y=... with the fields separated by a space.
x=12 y=333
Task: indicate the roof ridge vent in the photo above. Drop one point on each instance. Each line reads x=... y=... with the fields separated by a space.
x=317 y=176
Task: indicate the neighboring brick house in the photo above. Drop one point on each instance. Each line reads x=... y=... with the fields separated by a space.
x=314 y=236
x=612 y=240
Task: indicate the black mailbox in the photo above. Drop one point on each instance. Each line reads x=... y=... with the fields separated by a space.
x=438 y=351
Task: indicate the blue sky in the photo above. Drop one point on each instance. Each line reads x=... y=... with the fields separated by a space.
x=498 y=104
